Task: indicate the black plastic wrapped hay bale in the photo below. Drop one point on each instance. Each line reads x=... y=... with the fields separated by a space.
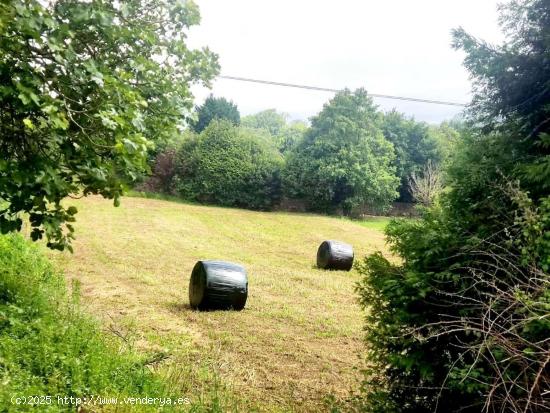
x=218 y=285
x=335 y=255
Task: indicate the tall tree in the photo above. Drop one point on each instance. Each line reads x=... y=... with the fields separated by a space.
x=85 y=88
x=268 y=119
x=284 y=134
x=461 y=324
x=215 y=108
x=344 y=161
x=414 y=145
x=512 y=88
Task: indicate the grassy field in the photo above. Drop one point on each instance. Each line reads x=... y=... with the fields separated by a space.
x=299 y=338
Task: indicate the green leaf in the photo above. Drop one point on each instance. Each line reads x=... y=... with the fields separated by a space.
x=28 y=124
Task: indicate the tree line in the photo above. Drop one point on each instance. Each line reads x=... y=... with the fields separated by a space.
x=352 y=155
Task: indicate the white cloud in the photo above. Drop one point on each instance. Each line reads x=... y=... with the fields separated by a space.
x=395 y=47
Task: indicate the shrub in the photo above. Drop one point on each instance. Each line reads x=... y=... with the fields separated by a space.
x=164 y=170
x=462 y=324
x=229 y=166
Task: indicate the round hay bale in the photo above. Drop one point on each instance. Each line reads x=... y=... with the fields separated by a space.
x=218 y=285
x=335 y=255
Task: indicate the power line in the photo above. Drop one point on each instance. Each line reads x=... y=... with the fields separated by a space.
x=324 y=89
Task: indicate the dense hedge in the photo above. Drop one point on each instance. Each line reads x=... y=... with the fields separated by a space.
x=230 y=166
x=462 y=324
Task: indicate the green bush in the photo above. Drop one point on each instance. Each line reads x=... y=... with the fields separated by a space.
x=462 y=324
x=48 y=347
x=230 y=166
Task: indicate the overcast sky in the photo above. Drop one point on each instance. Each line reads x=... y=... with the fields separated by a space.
x=392 y=47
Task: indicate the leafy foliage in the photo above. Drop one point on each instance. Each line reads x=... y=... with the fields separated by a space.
x=512 y=87
x=344 y=159
x=86 y=87
x=215 y=108
x=229 y=166
x=448 y=135
x=268 y=119
x=462 y=323
x=291 y=135
x=415 y=145
x=285 y=135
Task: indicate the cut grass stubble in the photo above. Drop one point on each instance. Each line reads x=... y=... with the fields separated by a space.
x=299 y=337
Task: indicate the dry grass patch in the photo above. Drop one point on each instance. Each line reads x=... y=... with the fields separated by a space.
x=300 y=335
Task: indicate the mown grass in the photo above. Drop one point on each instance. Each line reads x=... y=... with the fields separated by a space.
x=299 y=338
x=378 y=223
x=374 y=222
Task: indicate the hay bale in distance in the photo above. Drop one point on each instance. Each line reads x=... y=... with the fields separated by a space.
x=335 y=255
x=218 y=285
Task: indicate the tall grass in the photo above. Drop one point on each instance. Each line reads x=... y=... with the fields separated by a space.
x=48 y=347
